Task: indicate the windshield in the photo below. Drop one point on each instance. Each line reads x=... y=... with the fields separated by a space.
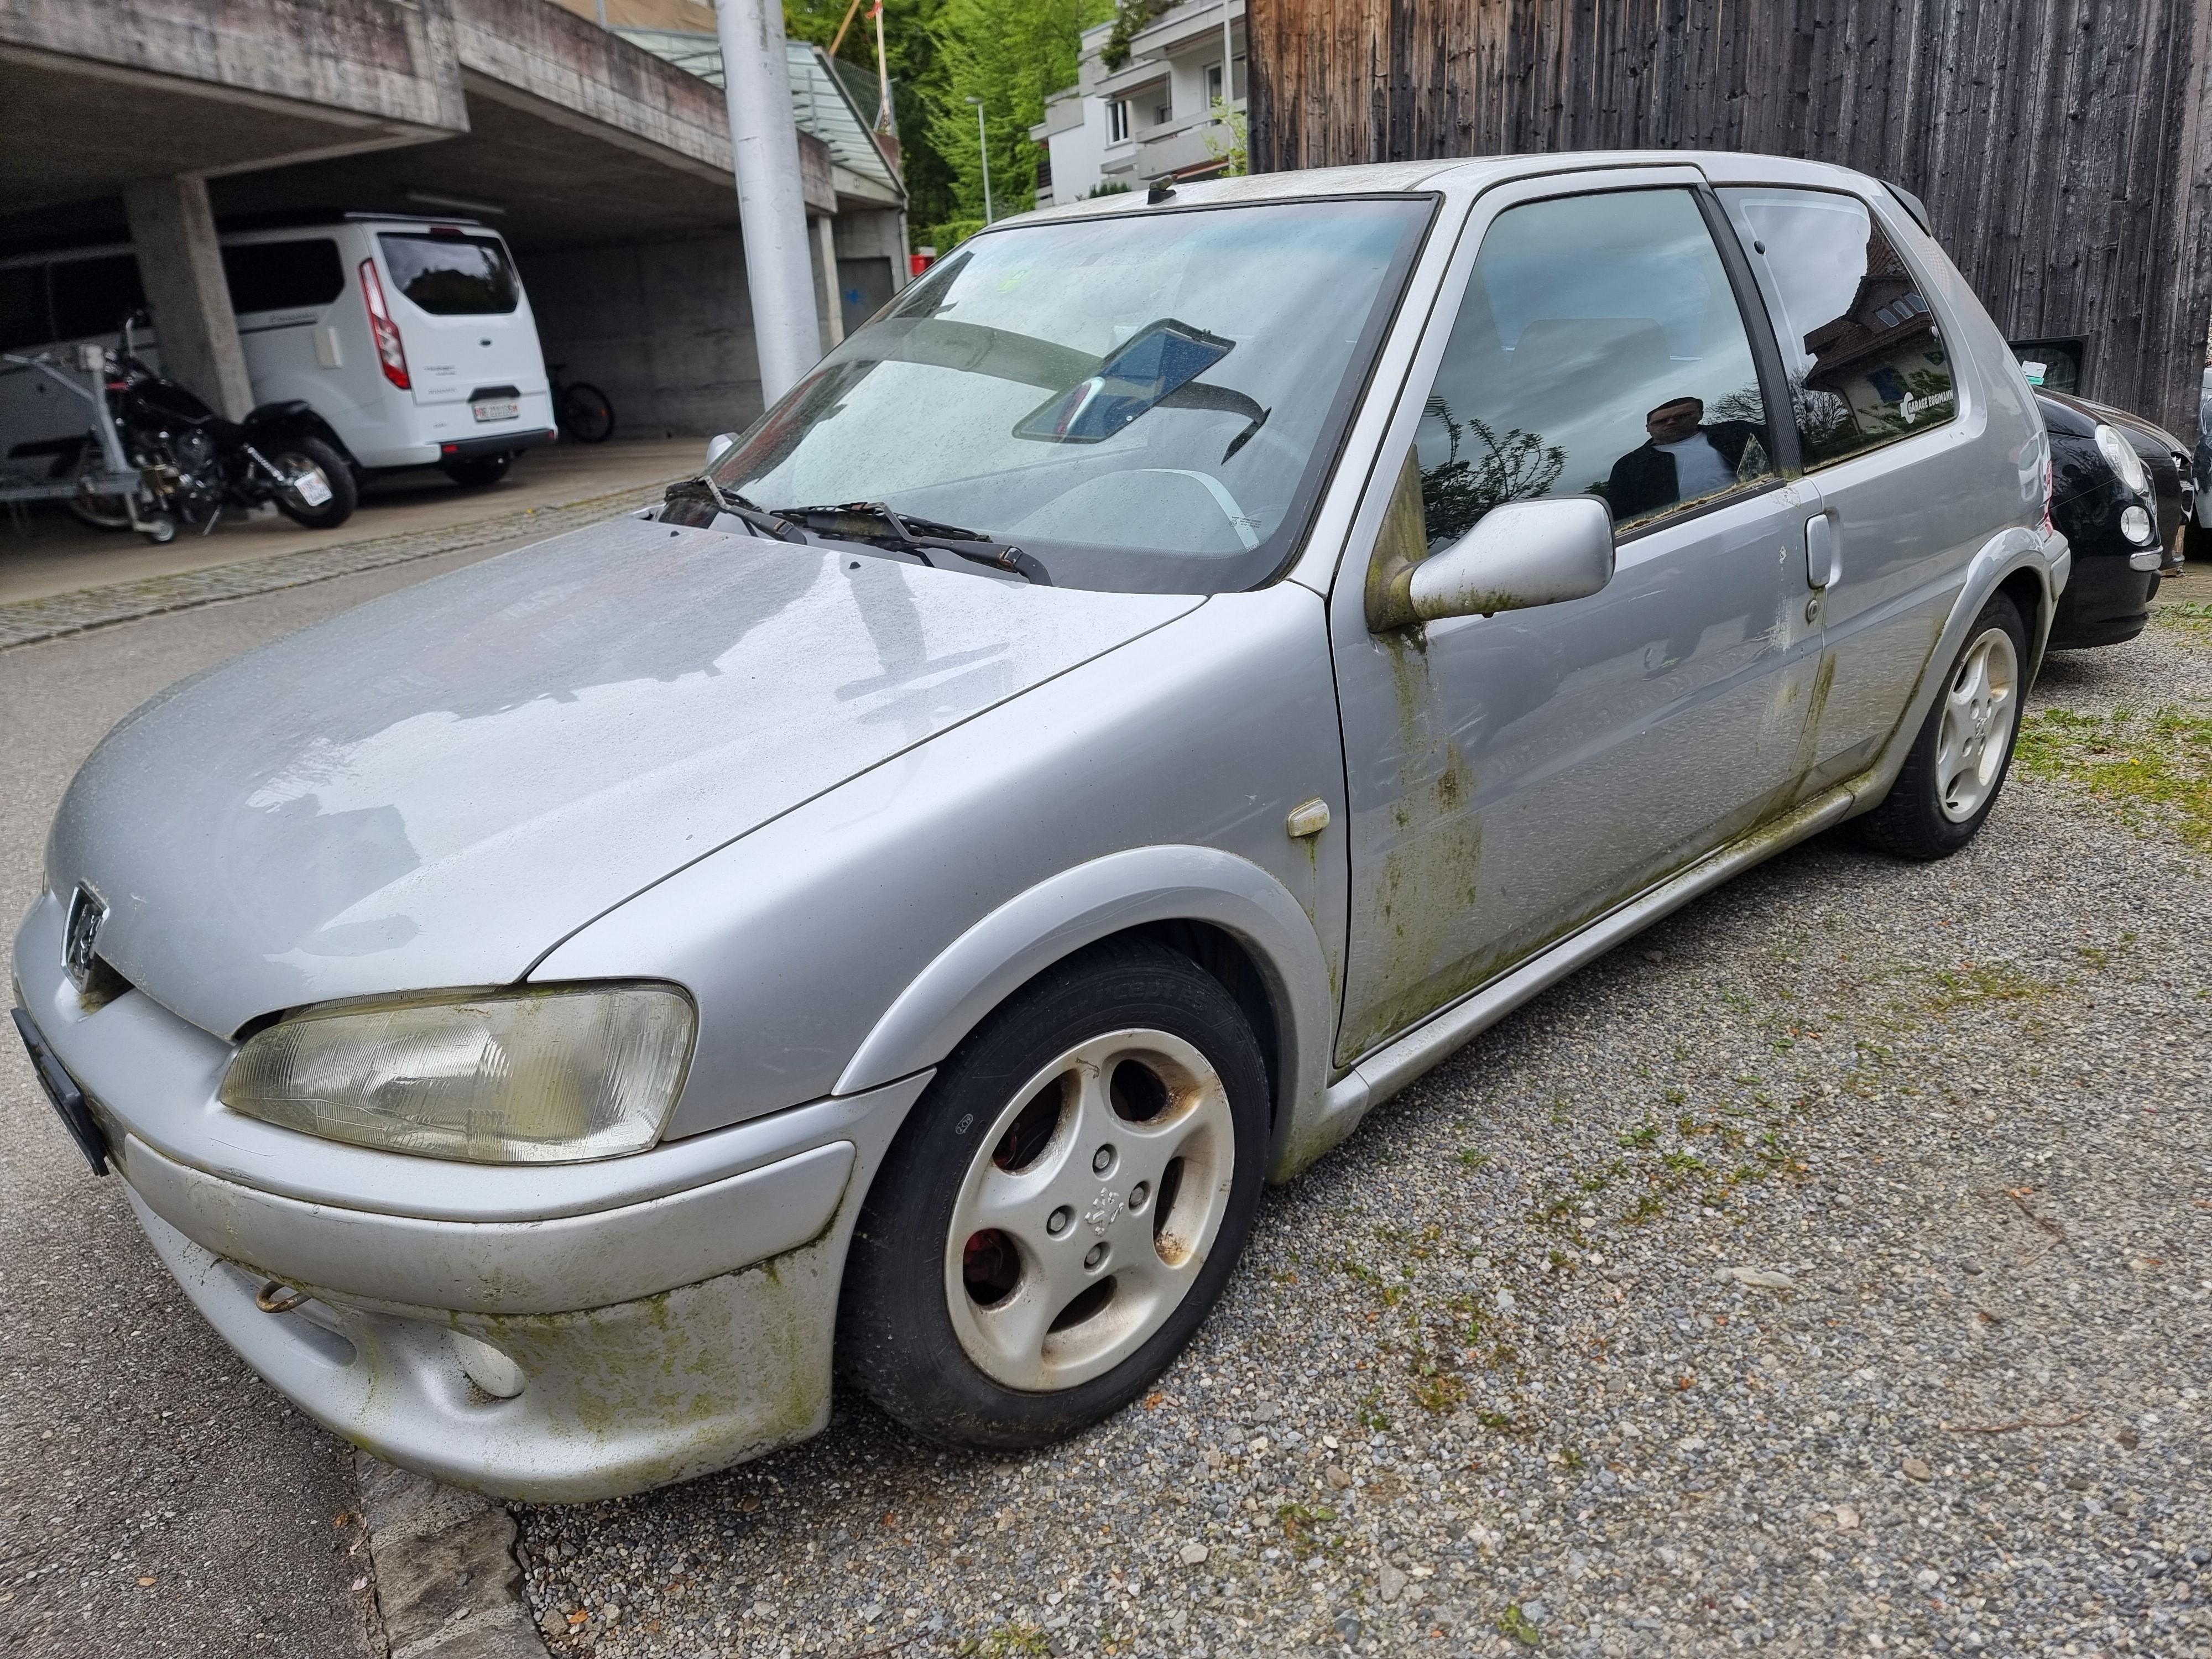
x=1145 y=403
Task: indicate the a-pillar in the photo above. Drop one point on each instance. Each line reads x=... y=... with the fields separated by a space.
x=180 y=263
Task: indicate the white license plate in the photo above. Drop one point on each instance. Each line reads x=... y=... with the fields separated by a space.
x=310 y=488
x=495 y=411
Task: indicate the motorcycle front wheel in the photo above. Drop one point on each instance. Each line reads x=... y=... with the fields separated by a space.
x=304 y=463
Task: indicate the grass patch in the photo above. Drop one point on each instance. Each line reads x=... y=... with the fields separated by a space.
x=2156 y=769
x=2192 y=619
x=1301 y=1524
x=1514 y=1623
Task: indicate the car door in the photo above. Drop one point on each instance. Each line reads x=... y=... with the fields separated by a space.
x=1903 y=488
x=1512 y=776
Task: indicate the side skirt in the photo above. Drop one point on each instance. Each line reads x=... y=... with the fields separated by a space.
x=1390 y=1068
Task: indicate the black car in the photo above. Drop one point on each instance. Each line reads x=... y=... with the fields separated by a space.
x=2121 y=491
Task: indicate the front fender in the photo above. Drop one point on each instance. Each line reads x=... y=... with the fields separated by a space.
x=1030 y=932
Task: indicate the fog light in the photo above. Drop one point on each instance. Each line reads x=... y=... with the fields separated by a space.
x=2134 y=524
x=487 y=1367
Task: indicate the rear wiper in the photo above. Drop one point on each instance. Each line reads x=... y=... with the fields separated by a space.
x=704 y=492
x=911 y=535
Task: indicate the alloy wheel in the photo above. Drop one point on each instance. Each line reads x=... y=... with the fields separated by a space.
x=1980 y=707
x=1089 y=1209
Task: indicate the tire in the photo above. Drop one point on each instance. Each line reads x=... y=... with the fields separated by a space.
x=1126 y=1053
x=586 y=415
x=313 y=454
x=1960 y=760
x=476 y=471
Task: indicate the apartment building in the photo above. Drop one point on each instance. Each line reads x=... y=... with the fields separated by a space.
x=1152 y=118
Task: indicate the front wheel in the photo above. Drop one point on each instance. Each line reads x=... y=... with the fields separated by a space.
x=586 y=415
x=1960 y=760
x=1065 y=1206
x=318 y=491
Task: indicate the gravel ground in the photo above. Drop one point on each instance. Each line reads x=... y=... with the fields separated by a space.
x=1830 y=1269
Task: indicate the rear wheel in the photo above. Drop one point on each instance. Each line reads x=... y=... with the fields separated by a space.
x=1064 y=1207
x=586 y=415
x=476 y=472
x=320 y=492
x=1960 y=760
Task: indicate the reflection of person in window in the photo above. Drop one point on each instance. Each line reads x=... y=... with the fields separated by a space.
x=1684 y=460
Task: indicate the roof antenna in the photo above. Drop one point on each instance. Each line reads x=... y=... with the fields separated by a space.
x=1158 y=194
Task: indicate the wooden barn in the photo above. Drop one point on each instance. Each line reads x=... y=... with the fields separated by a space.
x=2063 y=147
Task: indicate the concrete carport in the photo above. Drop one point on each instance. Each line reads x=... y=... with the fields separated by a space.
x=606 y=168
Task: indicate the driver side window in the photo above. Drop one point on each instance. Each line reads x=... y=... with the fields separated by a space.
x=1599 y=349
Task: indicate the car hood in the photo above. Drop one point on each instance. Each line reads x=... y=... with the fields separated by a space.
x=435 y=788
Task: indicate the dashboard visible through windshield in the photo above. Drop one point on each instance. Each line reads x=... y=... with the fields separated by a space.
x=1145 y=403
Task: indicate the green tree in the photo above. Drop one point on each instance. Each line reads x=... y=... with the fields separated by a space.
x=917 y=86
x=1009 y=53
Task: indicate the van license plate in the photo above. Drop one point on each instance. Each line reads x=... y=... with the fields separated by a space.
x=495 y=411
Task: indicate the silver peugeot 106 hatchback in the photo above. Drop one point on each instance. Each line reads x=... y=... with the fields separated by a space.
x=1175 y=674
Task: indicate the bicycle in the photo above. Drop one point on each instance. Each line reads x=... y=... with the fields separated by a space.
x=581 y=410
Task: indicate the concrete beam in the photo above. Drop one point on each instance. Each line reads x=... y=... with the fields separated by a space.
x=565 y=68
x=172 y=232
x=367 y=57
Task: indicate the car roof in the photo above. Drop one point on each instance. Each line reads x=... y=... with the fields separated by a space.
x=1460 y=173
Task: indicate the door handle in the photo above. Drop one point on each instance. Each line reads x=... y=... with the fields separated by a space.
x=1823 y=556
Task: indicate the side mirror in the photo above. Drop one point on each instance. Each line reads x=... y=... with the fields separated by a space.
x=719 y=445
x=1522 y=554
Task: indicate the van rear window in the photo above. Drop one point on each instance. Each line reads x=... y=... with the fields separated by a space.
x=279 y=276
x=452 y=276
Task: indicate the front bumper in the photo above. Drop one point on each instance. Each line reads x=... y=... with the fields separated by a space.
x=642 y=1319
x=2107 y=601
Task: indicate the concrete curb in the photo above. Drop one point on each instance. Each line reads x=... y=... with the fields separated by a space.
x=30 y=621
x=447 y=1584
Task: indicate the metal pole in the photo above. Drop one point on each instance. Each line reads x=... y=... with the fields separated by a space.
x=771 y=199
x=983 y=149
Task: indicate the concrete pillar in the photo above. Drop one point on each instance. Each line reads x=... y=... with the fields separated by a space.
x=825 y=269
x=172 y=232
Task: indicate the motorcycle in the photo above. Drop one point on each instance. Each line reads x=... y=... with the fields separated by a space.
x=195 y=464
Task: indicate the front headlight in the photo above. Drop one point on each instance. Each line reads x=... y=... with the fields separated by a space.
x=2125 y=462
x=509 y=1077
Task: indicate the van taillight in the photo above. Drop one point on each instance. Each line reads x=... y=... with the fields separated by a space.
x=390 y=354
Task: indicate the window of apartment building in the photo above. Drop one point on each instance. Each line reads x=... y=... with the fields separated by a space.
x=1163 y=110
x=1117 y=121
x=1213 y=83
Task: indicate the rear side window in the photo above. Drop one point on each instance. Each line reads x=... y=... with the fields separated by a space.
x=93 y=296
x=452 y=276
x=23 y=319
x=1865 y=359
x=282 y=276
x=1599 y=349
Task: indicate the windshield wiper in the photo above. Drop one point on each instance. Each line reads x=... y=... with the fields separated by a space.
x=704 y=492
x=911 y=535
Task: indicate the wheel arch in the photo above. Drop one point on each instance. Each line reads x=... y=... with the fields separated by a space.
x=1226 y=914
x=2029 y=569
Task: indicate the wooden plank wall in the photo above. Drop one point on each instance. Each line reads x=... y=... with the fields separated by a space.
x=2063 y=147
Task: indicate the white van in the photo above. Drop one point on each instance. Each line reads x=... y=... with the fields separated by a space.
x=412 y=338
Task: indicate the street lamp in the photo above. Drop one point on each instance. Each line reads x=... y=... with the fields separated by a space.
x=983 y=149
